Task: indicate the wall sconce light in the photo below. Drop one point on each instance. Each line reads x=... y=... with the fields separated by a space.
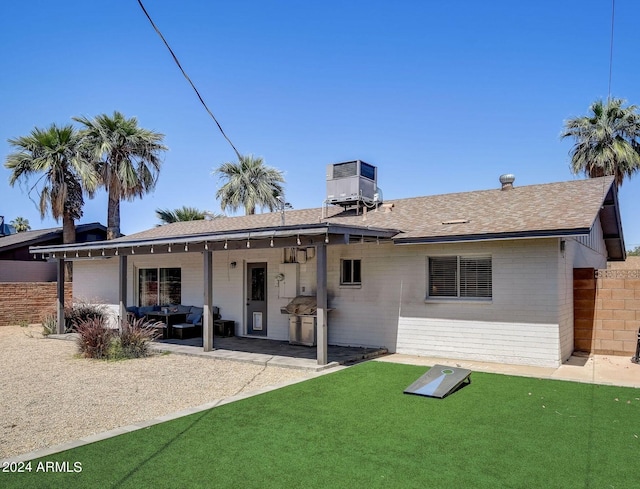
x=232 y=264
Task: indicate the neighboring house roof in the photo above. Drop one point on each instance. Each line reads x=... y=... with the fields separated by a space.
x=32 y=238
x=555 y=209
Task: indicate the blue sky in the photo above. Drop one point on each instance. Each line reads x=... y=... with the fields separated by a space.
x=440 y=96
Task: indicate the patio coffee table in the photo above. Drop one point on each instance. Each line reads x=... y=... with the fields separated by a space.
x=168 y=318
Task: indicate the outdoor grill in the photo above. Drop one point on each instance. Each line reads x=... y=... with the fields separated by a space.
x=302 y=320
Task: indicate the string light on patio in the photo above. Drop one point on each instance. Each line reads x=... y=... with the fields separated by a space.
x=64 y=255
x=89 y=254
x=298 y=241
x=169 y=248
x=248 y=243
x=186 y=247
x=116 y=253
x=271 y=242
x=133 y=252
x=77 y=255
x=225 y=244
x=151 y=250
x=206 y=245
x=102 y=251
x=326 y=238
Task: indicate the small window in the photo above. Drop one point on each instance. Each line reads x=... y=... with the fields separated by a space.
x=460 y=277
x=350 y=273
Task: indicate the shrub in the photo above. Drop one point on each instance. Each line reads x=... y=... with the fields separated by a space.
x=94 y=338
x=134 y=338
x=82 y=311
x=49 y=324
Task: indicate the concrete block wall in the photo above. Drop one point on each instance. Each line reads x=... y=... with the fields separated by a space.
x=606 y=310
x=27 y=302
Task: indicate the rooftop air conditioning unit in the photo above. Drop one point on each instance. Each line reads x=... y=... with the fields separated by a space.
x=351 y=183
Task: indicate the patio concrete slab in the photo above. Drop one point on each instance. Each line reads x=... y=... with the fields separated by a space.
x=593 y=369
x=269 y=352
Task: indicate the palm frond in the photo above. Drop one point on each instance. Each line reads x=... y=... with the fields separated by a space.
x=606 y=140
x=249 y=183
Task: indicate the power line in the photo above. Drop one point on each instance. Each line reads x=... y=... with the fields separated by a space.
x=175 y=58
x=613 y=11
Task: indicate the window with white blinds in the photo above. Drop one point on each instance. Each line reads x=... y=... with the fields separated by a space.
x=460 y=276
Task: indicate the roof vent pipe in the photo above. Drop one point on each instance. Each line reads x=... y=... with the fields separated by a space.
x=507 y=181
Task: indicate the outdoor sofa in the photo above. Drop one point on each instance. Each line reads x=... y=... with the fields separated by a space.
x=191 y=327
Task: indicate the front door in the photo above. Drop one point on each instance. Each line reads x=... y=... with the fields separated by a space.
x=257 y=299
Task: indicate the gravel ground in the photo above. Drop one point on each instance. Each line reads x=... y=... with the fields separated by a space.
x=48 y=395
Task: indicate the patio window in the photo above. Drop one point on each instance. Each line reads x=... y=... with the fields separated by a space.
x=350 y=272
x=460 y=277
x=159 y=286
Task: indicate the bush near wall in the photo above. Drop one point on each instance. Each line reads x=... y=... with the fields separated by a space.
x=27 y=302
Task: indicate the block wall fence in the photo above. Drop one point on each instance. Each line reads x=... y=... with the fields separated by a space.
x=27 y=302
x=606 y=310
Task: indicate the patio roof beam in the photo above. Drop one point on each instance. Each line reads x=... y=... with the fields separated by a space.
x=246 y=241
x=60 y=328
x=321 y=304
x=215 y=241
x=122 y=289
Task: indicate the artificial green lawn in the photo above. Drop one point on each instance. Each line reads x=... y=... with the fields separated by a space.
x=356 y=429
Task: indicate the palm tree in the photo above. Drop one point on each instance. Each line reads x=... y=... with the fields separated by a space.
x=21 y=224
x=184 y=213
x=53 y=152
x=126 y=157
x=607 y=141
x=249 y=184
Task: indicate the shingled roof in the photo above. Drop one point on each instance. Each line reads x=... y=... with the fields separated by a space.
x=565 y=207
x=30 y=238
x=545 y=210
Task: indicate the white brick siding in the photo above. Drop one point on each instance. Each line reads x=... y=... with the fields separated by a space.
x=529 y=319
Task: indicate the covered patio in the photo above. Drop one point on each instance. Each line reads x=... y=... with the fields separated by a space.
x=226 y=237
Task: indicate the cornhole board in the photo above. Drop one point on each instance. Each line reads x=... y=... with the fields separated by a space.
x=439 y=381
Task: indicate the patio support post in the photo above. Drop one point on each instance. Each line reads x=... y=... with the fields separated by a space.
x=122 y=289
x=321 y=298
x=60 y=300
x=207 y=317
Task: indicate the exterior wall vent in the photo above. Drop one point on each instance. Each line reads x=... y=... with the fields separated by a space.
x=352 y=183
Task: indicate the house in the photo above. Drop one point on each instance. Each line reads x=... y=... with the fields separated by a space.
x=17 y=264
x=484 y=275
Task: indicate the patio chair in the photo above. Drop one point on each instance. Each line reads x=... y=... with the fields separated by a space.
x=192 y=327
